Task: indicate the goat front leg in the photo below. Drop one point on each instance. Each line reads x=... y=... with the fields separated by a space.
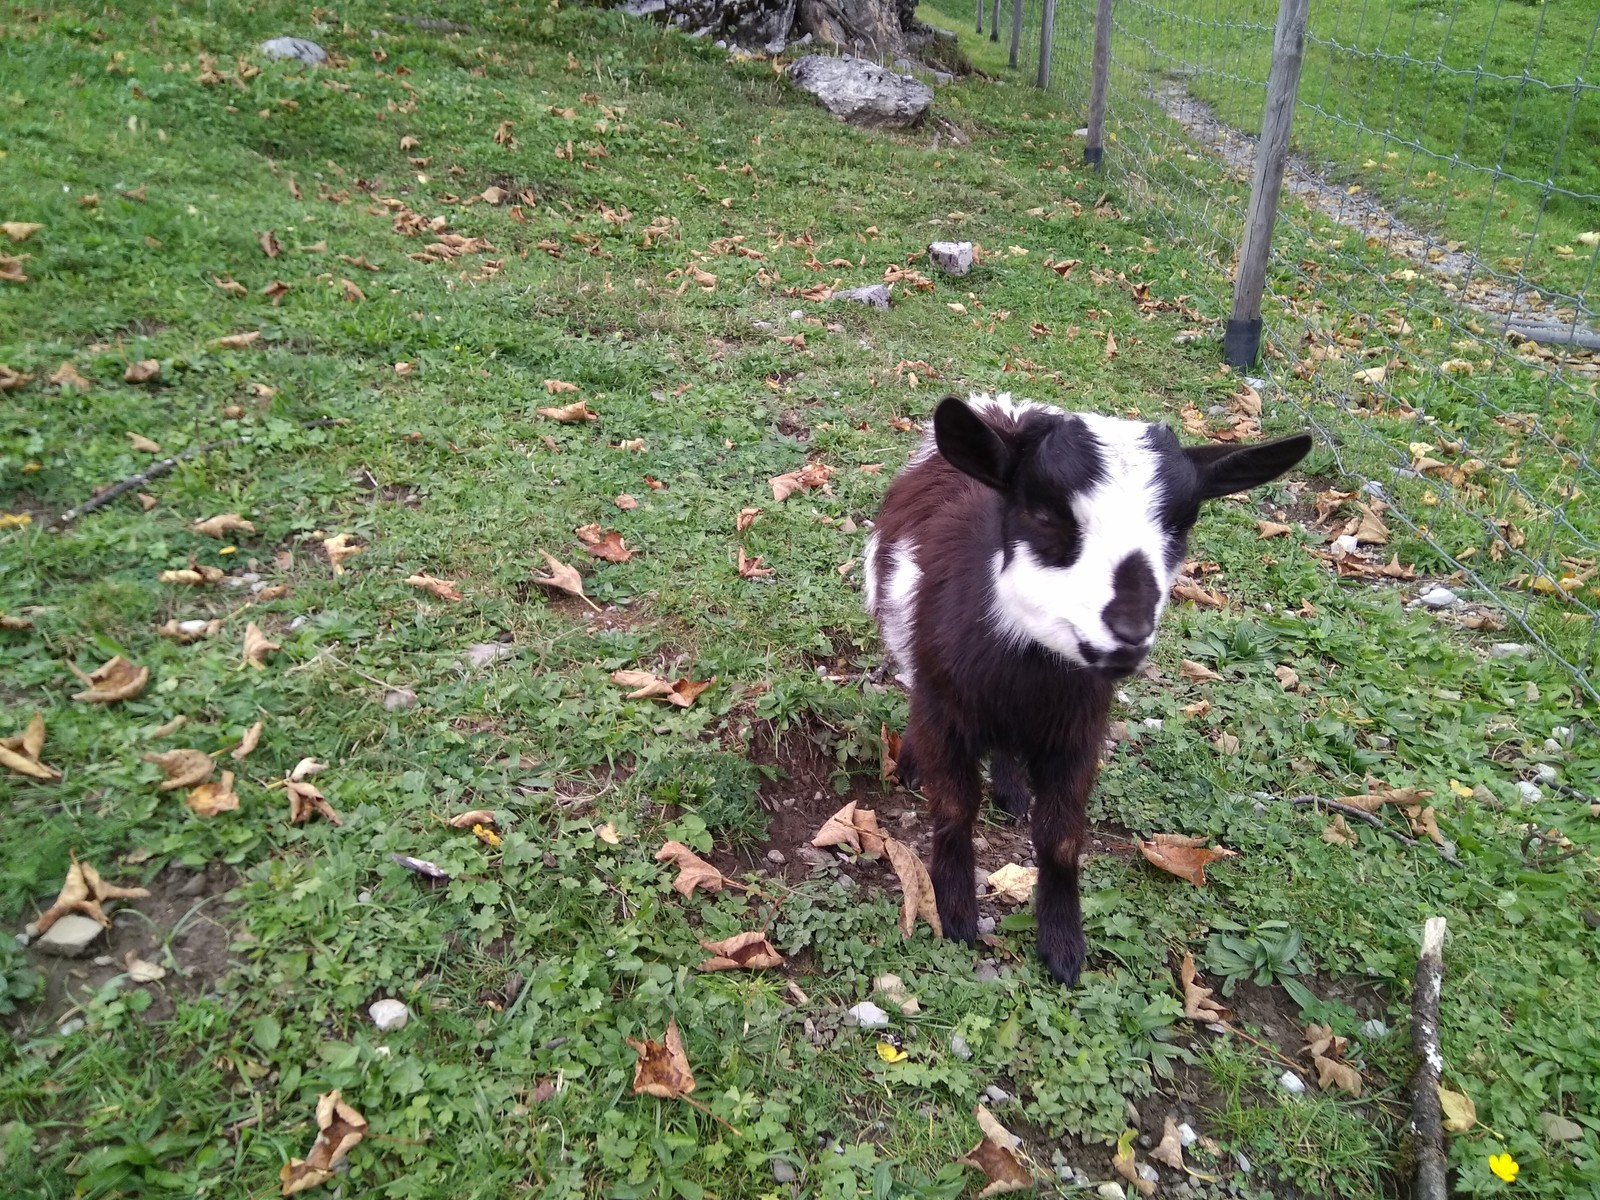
x=949 y=776
x=1061 y=787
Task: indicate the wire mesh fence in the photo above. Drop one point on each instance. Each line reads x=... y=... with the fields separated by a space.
x=1427 y=300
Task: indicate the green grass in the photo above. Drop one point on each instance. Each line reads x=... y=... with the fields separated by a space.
x=211 y=1090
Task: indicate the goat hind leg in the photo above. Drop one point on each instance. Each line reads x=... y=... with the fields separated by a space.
x=1008 y=786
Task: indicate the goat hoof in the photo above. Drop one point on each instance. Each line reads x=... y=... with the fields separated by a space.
x=1064 y=963
x=962 y=927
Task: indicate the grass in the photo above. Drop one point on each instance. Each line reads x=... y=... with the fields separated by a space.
x=529 y=969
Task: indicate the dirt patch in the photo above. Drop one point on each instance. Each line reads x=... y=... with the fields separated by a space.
x=388 y=493
x=184 y=925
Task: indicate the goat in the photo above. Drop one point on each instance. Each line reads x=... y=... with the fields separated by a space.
x=1017 y=570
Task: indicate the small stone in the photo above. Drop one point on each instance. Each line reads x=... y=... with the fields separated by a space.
x=980 y=843
x=1380 y=741
x=1292 y=1083
x=868 y=1015
x=1110 y=1191
x=306 y=51
x=1373 y=1030
x=70 y=937
x=1187 y=337
x=1346 y=543
x=399 y=699
x=1186 y=1135
x=953 y=258
x=776 y=857
x=959 y=1047
x=1551 y=746
x=1152 y=722
x=1131 y=1111
x=797 y=314
x=996 y=1094
x=1510 y=650
x=1242 y=1161
x=1559 y=1129
x=1439 y=597
x=986 y=972
x=389 y=1015
x=985 y=924
x=364 y=896
x=68 y=1028
x=847 y=882
x=481 y=654
x=1545 y=773
x=1148 y=1173
x=782 y=1171
x=1562 y=734
x=1530 y=792
x=874 y=295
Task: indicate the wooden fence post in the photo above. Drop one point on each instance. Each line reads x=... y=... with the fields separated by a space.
x=1094 y=148
x=1241 y=342
x=1016 y=30
x=1047 y=34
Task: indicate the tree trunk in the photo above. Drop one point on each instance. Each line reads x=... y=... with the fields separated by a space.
x=876 y=28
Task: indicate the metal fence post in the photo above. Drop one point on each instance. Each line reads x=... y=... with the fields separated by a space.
x=1241 y=342
x=1047 y=34
x=1094 y=148
x=1016 y=30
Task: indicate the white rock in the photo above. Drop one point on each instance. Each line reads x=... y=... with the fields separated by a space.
x=1148 y=1173
x=862 y=92
x=868 y=1015
x=1510 y=650
x=783 y=1171
x=1373 y=1030
x=1110 y=1191
x=986 y=924
x=959 y=1047
x=192 y=626
x=1151 y=722
x=1545 y=773
x=306 y=51
x=1440 y=597
x=953 y=258
x=1562 y=734
x=398 y=699
x=1346 y=543
x=1530 y=792
x=995 y=1094
x=1186 y=1135
x=1291 y=1083
x=481 y=654
x=1244 y=1163
x=70 y=937
x=1551 y=746
x=776 y=857
x=389 y=1015
x=874 y=295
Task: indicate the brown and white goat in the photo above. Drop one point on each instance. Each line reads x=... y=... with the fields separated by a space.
x=1017 y=570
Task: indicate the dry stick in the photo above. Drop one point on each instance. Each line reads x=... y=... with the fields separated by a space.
x=1426 y=1126
x=157 y=470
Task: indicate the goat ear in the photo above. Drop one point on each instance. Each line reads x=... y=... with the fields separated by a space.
x=971 y=445
x=1226 y=469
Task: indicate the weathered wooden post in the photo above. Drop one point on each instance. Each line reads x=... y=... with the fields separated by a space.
x=1016 y=30
x=1047 y=35
x=1094 y=148
x=994 y=23
x=1241 y=342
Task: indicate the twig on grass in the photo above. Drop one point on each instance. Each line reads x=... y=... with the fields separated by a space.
x=1372 y=819
x=1426 y=1125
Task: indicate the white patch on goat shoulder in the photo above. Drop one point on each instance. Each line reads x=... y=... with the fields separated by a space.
x=895 y=606
x=1063 y=608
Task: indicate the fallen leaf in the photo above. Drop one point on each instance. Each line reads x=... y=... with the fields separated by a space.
x=403 y=368
x=140 y=970
x=607 y=833
x=85 y=892
x=20 y=754
x=143 y=444
x=693 y=871
x=194 y=575
x=1370 y=529
x=20 y=231
x=1197 y=1002
x=603 y=543
x=1123 y=1164
x=1185 y=857
x=349 y=290
x=306 y=799
x=476 y=816
x=209 y=799
x=1111 y=345
x=67 y=375
x=185 y=632
x=222 y=525
x=1198 y=709
x=338 y=548
x=1169 y=1152
x=996 y=1157
x=444 y=589
x=251 y=739
x=270 y=246
x=486 y=835
x=1197 y=672
x=888 y=752
x=854 y=827
x=1338 y=833
x=1288 y=678
x=1372 y=375
x=741 y=952
x=116 y=679
x=237 y=341
x=1226 y=743
x=564 y=579
x=812 y=475
x=1271 y=529
x=182 y=768
x=746 y=518
x=257 y=646
x=306 y=768
x=751 y=568
x=1332 y=1073
x=1014 y=884
x=569 y=414
x=1195 y=594
x=663 y=1068
x=146 y=500
x=890 y=1053
x=916 y=888
x=645 y=683
x=1379 y=795
x=1460 y=1113
x=557 y=386
x=339 y=1129
x=625 y=502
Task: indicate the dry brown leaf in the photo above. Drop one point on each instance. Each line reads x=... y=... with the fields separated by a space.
x=1338 y=833
x=852 y=826
x=1013 y=883
x=237 y=341
x=812 y=475
x=169 y=728
x=1424 y=821
x=306 y=768
x=222 y=525
x=67 y=375
x=1189 y=590
x=1197 y=1002
x=746 y=518
x=476 y=816
x=268 y=240
x=606 y=831
x=184 y=632
x=1271 y=529
x=1370 y=529
x=209 y=799
x=143 y=444
x=1124 y=1164
x=1379 y=795
x=116 y=679
x=146 y=500
x=20 y=754
x=693 y=871
x=1288 y=678
x=569 y=414
x=1460 y=1113
x=888 y=753
x=275 y=291
x=1198 y=709
x=645 y=684
x=182 y=768
x=257 y=646
x=339 y=1129
x=11 y=380
x=1169 y=1152
x=996 y=1157
x=564 y=579
x=741 y=952
x=1332 y=1073
x=1197 y=672
x=85 y=892
x=304 y=800
x=625 y=502
x=685 y=691
x=1111 y=345
x=916 y=886
x=1185 y=857
x=663 y=1068
x=20 y=231
x=251 y=739
x=142 y=371
x=557 y=386
x=1226 y=743
x=603 y=543
x=751 y=568
x=444 y=589
x=338 y=548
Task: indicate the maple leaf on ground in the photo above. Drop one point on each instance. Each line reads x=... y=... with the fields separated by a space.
x=741 y=952
x=570 y=414
x=663 y=1068
x=812 y=475
x=1271 y=529
x=444 y=589
x=1460 y=1113
x=751 y=568
x=339 y=1129
x=1185 y=857
x=338 y=548
x=1338 y=832
x=603 y=543
x=20 y=754
x=115 y=679
x=996 y=1157
x=85 y=892
x=563 y=578
x=854 y=827
x=305 y=800
x=1186 y=589
x=182 y=768
x=693 y=871
x=916 y=886
x=1197 y=1002
x=257 y=646
x=209 y=799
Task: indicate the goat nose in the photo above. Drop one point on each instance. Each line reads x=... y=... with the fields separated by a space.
x=1131 y=628
x=1135 y=595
